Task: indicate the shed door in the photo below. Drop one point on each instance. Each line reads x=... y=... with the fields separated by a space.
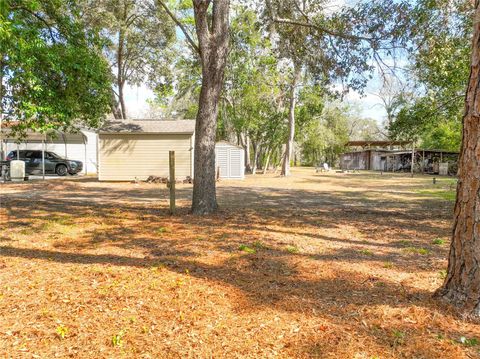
x=235 y=162
x=222 y=161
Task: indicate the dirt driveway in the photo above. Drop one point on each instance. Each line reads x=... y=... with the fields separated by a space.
x=316 y=265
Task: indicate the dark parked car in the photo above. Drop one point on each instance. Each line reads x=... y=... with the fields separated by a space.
x=53 y=162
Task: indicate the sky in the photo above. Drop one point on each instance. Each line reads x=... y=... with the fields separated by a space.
x=368 y=103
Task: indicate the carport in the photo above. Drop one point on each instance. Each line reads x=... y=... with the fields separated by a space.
x=55 y=141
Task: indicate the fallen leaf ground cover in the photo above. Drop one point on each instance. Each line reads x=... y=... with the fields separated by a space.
x=329 y=265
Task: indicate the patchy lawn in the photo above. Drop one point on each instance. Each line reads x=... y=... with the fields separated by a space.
x=316 y=265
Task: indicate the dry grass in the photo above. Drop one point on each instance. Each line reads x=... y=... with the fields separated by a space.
x=328 y=266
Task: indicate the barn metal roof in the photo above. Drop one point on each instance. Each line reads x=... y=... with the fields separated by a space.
x=378 y=143
x=148 y=126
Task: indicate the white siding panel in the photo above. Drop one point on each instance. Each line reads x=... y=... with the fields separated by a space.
x=124 y=157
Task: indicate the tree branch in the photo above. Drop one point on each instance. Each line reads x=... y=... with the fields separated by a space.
x=38 y=17
x=180 y=25
x=323 y=29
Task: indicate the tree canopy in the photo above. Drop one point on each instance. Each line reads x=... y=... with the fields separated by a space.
x=52 y=72
x=439 y=68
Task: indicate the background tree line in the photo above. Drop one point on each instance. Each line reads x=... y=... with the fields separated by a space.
x=287 y=66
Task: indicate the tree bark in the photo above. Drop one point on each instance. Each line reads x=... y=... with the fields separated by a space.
x=115 y=106
x=213 y=47
x=120 y=80
x=256 y=152
x=462 y=284
x=267 y=161
x=2 y=67
x=291 y=121
x=246 y=146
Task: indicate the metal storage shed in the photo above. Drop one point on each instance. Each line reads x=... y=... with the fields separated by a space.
x=137 y=149
x=229 y=159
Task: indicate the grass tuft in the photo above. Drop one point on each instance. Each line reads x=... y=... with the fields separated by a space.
x=416 y=250
x=246 y=249
x=117 y=339
x=438 y=241
x=62 y=331
x=292 y=249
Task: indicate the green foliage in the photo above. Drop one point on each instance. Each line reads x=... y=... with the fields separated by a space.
x=53 y=73
x=469 y=342
x=415 y=250
x=62 y=331
x=138 y=39
x=253 y=97
x=443 y=274
x=438 y=241
x=448 y=195
x=367 y=252
x=117 y=339
x=324 y=127
x=247 y=249
x=440 y=54
x=292 y=249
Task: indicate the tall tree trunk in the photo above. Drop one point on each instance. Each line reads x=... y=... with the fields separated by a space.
x=267 y=161
x=291 y=120
x=2 y=67
x=462 y=285
x=120 y=80
x=115 y=106
x=213 y=48
x=248 y=166
x=256 y=153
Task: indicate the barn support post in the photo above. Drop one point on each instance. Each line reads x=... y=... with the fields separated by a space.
x=423 y=161
x=85 y=152
x=65 y=144
x=171 y=162
x=413 y=159
x=43 y=157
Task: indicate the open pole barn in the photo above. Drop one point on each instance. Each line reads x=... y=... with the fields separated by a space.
x=80 y=146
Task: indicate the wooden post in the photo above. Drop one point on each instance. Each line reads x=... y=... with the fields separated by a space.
x=413 y=158
x=171 y=162
x=43 y=159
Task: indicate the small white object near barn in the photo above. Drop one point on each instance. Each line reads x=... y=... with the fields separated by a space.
x=230 y=160
x=136 y=149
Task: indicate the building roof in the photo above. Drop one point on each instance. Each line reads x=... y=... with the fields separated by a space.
x=377 y=143
x=148 y=126
x=51 y=136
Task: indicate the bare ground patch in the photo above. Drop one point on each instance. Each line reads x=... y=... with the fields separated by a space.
x=328 y=265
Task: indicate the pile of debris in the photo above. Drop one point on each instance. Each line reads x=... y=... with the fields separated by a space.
x=157 y=179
